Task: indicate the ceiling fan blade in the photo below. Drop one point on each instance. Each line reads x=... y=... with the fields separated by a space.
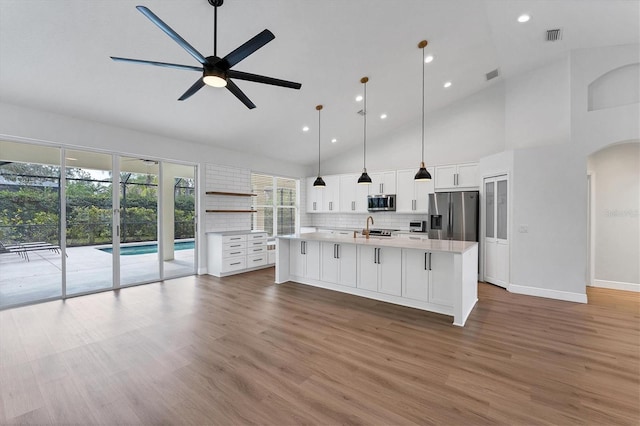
x=248 y=48
x=171 y=33
x=239 y=94
x=199 y=84
x=158 y=64
x=263 y=79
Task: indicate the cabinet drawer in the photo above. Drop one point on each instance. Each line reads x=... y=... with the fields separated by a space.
x=234 y=245
x=234 y=264
x=258 y=243
x=233 y=238
x=254 y=237
x=234 y=253
x=256 y=250
x=256 y=260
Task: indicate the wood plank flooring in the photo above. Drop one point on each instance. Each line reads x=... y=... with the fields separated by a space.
x=242 y=350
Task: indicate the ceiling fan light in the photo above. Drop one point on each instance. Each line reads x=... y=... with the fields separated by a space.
x=364 y=178
x=423 y=174
x=319 y=183
x=214 y=81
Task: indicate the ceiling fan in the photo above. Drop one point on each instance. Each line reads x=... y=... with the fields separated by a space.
x=216 y=71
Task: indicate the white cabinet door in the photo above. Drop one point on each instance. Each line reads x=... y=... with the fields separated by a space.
x=296 y=258
x=331 y=194
x=405 y=199
x=367 y=268
x=412 y=195
x=415 y=275
x=422 y=191
x=353 y=196
x=468 y=176
x=446 y=177
x=441 y=279
x=330 y=264
x=314 y=197
x=383 y=183
x=312 y=255
x=348 y=261
x=390 y=270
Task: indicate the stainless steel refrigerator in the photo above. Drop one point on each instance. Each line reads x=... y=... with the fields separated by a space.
x=453 y=216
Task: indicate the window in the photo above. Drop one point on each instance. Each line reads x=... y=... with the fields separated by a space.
x=275 y=203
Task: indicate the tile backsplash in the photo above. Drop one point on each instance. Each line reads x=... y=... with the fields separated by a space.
x=386 y=220
x=227 y=179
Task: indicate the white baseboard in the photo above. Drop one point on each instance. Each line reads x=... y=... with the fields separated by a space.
x=549 y=294
x=202 y=271
x=617 y=285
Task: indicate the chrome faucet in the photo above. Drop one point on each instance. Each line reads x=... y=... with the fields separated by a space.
x=366 y=232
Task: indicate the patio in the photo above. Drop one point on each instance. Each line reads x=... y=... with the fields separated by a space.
x=88 y=269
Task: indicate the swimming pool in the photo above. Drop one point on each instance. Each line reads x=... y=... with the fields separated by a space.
x=148 y=248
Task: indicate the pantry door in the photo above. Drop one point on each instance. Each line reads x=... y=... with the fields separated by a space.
x=496 y=240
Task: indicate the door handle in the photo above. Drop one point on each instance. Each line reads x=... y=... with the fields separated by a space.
x=425 y=261
x=429 y=261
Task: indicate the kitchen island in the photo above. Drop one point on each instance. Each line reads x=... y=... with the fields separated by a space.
x=433 y=275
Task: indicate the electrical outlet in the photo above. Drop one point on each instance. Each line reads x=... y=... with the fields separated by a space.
x=523 y=229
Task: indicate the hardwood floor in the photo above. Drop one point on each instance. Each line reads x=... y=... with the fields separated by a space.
x=242 y=350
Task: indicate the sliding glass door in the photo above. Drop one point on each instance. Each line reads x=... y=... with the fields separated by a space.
x=138 y=221
x=89 y=221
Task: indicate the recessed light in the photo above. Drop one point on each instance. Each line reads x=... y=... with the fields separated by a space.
x=334 y=140
x=383 y=116
x=359 y=98
x=447 y=84
x=523 y=18
x=428 y=59
x=305 y=129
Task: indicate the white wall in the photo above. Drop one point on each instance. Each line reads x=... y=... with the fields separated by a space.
x=616 y=172
x=537 y=107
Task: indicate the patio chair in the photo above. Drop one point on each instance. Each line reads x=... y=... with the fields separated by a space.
x=23 y=249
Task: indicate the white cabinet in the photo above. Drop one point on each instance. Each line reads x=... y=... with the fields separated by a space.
x=412 y=195
x=457 y=177
x=338 y=263
x=382 y=183
x=427 y=276
x=323 y=199
x=353 y=196
x=229 y=254
x=304 y=259
x=379 y=269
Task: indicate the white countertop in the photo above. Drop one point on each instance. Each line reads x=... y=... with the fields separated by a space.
x=447 y=246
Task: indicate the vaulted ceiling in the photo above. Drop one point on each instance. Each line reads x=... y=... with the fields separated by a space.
x=54 y=55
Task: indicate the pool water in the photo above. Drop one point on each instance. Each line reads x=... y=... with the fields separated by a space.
x=149 y=248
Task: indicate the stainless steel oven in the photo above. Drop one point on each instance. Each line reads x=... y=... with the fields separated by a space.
x=382 y=202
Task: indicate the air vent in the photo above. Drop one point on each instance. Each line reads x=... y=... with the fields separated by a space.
x=554 y=35
x=492 y=74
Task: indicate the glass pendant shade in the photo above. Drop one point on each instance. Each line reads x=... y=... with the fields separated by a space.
x=423 y=174
x=319 y=182
x=364 y=178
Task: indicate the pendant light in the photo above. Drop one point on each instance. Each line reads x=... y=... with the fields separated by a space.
x=319 y=183
x=423 y=174
x=364 y=178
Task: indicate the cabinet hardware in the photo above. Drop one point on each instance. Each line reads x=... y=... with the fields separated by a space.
x=382 y=188
x=425 y=261
x=236 y=252
x=314 y=205
x=375 y=255
x=257 y=249
x=257 y=260
x=233 y=264
x=236 y=245
x=235 y=238
x=353 y=205
x=429 y=261
x=330 y=205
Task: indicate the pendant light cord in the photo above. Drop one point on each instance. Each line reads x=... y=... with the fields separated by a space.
x=318 y=142
x=364 y=157
x=215 y=31
x=423 y=58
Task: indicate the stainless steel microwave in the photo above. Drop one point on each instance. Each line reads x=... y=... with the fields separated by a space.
x=382 y=202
